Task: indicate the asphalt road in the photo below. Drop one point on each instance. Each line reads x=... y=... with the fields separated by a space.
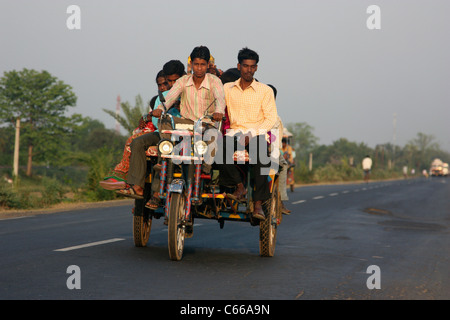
x=325 y=250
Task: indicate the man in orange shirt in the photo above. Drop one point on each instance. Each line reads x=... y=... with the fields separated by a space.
x=252 y=113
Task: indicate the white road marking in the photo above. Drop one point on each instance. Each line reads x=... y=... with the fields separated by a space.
x=318 y=197
x=345 y=191
x=90 y=244
x=333 y=194
x=300 y=201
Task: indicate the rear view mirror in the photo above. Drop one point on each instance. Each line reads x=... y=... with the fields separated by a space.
x=162 y=99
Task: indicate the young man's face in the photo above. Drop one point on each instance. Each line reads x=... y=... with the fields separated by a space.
x=247 y=68
x=171 y=80
x=199 y=67
x=162 y=83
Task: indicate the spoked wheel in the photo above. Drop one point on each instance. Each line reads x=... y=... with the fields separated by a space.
x=176 y=226
x=268 y=227
x=141 y=229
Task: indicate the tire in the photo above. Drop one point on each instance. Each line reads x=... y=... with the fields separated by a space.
x=141 y=229
x=268 y=227
x=176 y=232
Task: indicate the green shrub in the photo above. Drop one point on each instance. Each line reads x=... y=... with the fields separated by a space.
x=52 y=193
x=8 y=198
x=100 y=164
x=302 y=173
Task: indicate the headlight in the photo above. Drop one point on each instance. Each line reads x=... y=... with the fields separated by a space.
x=200 y=147
x=165 y=147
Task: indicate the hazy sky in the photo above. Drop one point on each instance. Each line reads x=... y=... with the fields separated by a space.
x=330 y=69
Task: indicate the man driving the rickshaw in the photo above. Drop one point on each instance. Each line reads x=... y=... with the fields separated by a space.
x=252 y=113
x=197 y=92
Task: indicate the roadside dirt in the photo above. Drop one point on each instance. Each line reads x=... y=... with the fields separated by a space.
x=61 y=207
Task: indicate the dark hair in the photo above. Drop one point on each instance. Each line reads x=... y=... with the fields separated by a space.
x=274 y=90
x=230 y=75
x=151 y=104
x=160 y=74
x=201 y=52
x=174 y=67
x=247 y=53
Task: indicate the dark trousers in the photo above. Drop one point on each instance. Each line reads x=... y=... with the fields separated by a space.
x=138 y=159
x=231 y=173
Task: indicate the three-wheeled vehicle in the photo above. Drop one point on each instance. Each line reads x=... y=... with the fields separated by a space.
x=187 y=193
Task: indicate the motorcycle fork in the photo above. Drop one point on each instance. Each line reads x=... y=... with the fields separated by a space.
x=190 y=180
x=198 y=172
x=162 y=177
x=165 y=181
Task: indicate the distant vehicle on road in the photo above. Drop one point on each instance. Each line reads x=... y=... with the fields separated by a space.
x=437 y=168
x=445 y=170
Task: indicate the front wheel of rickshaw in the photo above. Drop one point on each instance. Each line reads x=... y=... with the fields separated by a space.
x=268 y=227
x=176 y=227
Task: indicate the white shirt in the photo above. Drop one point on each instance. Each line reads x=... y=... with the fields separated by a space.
x=367 y=164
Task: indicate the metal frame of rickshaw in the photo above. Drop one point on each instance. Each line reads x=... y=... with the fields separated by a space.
x=215 y=204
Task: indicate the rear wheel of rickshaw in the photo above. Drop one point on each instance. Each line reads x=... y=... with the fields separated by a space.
x=142 y=225
x=176 y=228
x=268 y=227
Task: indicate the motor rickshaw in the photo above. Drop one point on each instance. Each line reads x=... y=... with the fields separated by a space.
x=188 y=194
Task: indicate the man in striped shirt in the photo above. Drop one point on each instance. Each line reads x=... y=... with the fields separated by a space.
x=252 y=113
x=199 y=90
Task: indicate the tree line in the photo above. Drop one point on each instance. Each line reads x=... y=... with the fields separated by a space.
x=345 y=156
x=78 y=150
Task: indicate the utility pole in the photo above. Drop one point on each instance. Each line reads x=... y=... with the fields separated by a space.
x=16 y=154
x=394 y=138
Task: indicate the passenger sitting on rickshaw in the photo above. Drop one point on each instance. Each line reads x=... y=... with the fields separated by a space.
x=117 y=177
x=197 y=91
x=172 y=70
x=252 y=113
x=287 y=151
x=284 y=166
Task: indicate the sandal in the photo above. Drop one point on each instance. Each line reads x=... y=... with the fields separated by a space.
x=112 y=184
x=153 y=203
x=130 y=192
x=258 y=212
x=238 y=195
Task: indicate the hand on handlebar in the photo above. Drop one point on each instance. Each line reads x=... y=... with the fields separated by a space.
x=157 y=113
x=217 y=116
